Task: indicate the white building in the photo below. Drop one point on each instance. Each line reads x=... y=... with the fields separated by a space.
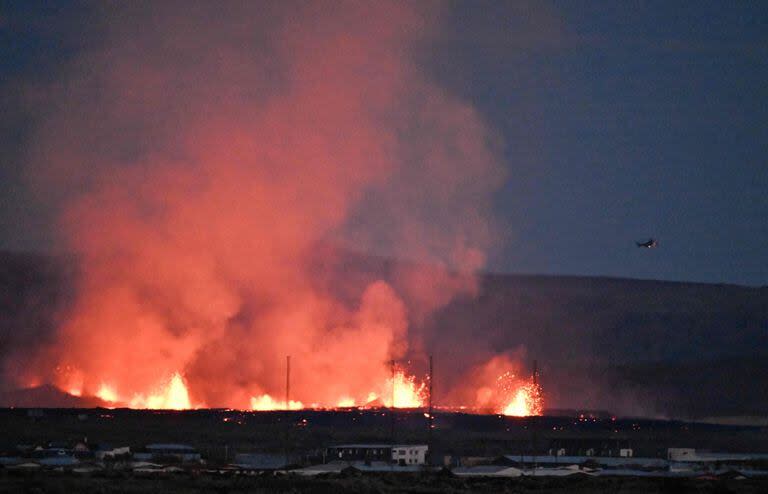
x=410 y=454
x=401 y=454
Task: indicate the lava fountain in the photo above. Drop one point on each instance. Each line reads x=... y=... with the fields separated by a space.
x=520 y=397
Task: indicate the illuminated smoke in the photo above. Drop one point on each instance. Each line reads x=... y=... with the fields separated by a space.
x=202 y=155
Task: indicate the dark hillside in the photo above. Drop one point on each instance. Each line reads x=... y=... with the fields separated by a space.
x=33 y=293
x=630 y=346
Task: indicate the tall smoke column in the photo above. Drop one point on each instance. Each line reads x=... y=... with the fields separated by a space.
x=201 y=153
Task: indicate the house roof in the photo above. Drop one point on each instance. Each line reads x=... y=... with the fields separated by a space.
x=259 y=461
x=170 y=446
x=488 y=471
x=376 y=445
x=611 y=461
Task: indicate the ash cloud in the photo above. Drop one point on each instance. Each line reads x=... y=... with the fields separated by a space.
x=202 y=155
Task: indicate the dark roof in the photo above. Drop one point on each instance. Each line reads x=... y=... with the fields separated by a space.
x=170 y=446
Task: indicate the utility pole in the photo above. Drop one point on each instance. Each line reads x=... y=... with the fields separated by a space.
x=288 y=382
x=287 y=407
x=392 y=367
x=533 y=417
x=392 y=407
x=430 y=418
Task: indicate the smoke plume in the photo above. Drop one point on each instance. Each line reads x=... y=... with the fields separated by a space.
x=204 y=156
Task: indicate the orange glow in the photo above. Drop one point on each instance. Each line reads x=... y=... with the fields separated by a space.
x=500 y=385
x=210 y=237
x=173 y=396
x=266 y=402
x=512 y=396
x=346 y=403
x=407 y=392
x=107 y=393
x=71 y=380
x=522 y=396
x=525 y=402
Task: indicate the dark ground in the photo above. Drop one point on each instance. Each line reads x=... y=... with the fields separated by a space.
x=219 y=434
x=62 y=483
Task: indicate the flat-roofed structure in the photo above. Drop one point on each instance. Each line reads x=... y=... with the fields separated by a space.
x=160 y=451
x=402 y=454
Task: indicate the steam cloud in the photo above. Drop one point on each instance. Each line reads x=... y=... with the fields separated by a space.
x=204 y=156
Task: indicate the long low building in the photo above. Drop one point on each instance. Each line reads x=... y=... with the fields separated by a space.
x=401 y=454
x=598 y=461
x=686 y=455
x=180 y=452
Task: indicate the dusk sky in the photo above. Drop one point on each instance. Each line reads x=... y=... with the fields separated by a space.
x=620 y=122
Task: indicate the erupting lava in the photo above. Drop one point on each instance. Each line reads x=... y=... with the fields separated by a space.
x=172 y=396
x=106 y=393
x=511 y=395
x=405 y=390
x=522 y=399
x=407 y=393
x=266 y=402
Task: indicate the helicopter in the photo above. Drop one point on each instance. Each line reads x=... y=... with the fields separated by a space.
x=650 y=244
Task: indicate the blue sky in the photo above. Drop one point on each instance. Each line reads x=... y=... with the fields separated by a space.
x=621 y=121
x=625 y=121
